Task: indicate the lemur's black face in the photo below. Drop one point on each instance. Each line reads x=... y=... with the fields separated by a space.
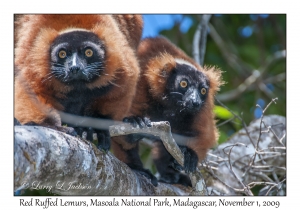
x=187 y=89
x=77 y=56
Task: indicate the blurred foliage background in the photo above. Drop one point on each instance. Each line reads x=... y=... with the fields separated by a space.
x=249 y=48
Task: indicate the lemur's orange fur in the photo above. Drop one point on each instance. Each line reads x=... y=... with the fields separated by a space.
x=157 y=59
x=35 y=99
x=131 y=26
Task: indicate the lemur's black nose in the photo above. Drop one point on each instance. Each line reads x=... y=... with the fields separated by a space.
x=74 y=69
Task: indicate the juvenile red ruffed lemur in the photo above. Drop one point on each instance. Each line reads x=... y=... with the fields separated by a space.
x=174 y=88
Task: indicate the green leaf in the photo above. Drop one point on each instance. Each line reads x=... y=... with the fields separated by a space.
x=222 y=113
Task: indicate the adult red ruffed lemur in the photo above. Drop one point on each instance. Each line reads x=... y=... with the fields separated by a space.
x=84 y=65
x=174 y=88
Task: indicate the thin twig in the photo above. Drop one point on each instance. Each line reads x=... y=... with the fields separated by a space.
x=243 y=122
x=226 y=121
x=275 y=186
x=269 y=128
x=259 y=135
x=255 y=77
x=230 y=57
x=233 y=94
x=278 y=78
x=247 y=190
x=208 y=169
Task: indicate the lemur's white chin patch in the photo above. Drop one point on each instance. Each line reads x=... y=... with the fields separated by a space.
x=72 y=29
x=181 y=61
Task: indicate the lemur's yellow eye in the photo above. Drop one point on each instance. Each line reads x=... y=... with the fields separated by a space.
x=203 y=91
x=183 y=83
x=62 y=54
x=88 y=53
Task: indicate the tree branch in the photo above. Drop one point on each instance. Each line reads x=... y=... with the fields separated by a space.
x=235 y=168
x=66 y=165
x=163 y=131
x=199 y=40
x=255 y=77
x=233 y=94
x=230 y=57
